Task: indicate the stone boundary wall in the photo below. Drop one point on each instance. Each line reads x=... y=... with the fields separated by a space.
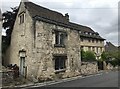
x=7 y=76
x=89 y=68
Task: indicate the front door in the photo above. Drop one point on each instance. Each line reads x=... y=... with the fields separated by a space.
x=22 y=66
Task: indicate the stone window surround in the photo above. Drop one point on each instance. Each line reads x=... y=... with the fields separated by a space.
x=65 y=58
x=61 y=33
x=21 y=17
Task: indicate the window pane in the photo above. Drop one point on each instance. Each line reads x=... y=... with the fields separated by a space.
x=22 y=18
x=56 y=38
x=56 y=64
x=61 y=38
x=60 y=62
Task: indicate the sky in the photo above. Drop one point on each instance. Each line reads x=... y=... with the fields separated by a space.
x=100 y=15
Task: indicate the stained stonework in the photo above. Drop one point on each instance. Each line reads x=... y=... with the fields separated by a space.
x=89 y=68
x=37 y=38
x=44 y=46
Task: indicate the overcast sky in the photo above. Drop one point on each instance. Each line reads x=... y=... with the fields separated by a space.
x=100 y=15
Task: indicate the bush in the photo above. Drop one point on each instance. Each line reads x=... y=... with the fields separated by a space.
x=88 y=56
x=112 y=57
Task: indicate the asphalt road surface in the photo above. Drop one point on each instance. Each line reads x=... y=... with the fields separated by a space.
x=99 y=81
x=107 y=79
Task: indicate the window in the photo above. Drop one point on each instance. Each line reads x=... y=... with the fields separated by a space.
x=21 y=18
x=93 y=48
x=89 y=48
x=100 y=41
x=97 y=49
x=59 y=38
x=89 y=40
x=60 y=62
x=96 y=41
x=101 y=49
x=86 y=33
x=79 y=31
x=90 y=33
x=92 y=40
x=82 y=47
x=82 y=39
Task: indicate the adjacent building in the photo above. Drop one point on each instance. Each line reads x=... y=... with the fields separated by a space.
x=90 y=40
x=109 y=47
x=45 y=44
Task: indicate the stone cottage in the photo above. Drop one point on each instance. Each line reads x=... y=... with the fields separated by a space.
x=44 y=43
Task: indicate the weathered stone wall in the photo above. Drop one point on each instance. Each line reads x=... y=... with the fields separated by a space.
x=109 y=66
x=44 y=46
x=89 y=68
x=21 y=38
x=38 y=41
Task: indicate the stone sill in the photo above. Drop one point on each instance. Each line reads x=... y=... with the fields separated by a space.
x=59 y=45
x=60 y=70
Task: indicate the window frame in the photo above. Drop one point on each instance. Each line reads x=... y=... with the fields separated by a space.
x=60 y=59
x=21 y=18
x=60 y=39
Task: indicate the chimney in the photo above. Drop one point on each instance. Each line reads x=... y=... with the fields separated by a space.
x=67 y=16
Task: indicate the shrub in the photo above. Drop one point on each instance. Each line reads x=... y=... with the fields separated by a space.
x=88 y=56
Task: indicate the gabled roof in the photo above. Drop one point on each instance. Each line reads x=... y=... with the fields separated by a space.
x=109 y=47
x=36 y=10
x=57 y=18
x=77 y=26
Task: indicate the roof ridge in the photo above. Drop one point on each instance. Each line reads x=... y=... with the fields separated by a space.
x=26 y=1
x=37 y=10
x=48 y=15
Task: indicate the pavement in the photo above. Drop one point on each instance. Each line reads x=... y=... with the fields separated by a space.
x=49 y=83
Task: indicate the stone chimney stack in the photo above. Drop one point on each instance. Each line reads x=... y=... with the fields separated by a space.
x=67 y=16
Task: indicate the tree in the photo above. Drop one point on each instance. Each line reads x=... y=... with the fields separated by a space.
x=104 y=56
x=112 y=57
x=8 y=23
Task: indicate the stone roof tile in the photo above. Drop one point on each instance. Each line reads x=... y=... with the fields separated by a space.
x=55 y=17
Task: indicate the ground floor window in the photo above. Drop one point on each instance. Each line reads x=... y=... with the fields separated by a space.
x=60 y=62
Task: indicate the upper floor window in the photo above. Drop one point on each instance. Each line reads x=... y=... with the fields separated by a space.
x=89 y=40
x=101 y=49
x=86 y=33
x=100 y=41
x=90 y=33
x=96 y=41
x=82 y=39
x=80 y=32
x=59 y=38
x=22 y=18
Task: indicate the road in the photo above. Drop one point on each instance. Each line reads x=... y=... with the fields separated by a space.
x=107 y=79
